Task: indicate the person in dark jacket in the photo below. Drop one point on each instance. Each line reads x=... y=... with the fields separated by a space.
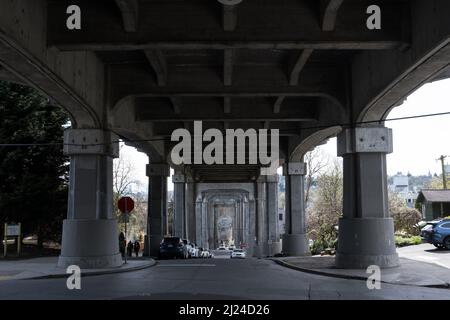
x=137 y=248
x=130 y=248
x=122 y=244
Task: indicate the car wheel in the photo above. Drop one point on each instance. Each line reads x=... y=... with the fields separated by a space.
x=447 y=243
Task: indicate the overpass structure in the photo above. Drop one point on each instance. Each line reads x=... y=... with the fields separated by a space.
x=312 y=69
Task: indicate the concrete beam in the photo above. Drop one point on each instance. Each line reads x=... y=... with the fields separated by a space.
x=265 y=81
x=298 y=66
x=130 y=14
x=159 y=65
x=244 y=110
x=73 y=80
x=234 y=118
x=7 y=76
x=176 y=105
x=278 y=103
x=328 y=13
x=383 y=81
x=228 y=61
x=227 y=105
x=229 y=11
x=288 y=26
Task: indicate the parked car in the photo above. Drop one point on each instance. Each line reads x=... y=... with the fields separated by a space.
x=238 y=253
x=172 y=247
x=437 y=233
x=206 y=254
x=231 y=248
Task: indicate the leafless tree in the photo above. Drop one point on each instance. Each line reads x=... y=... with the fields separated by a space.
x=123 y=179
x=316 y=161
x=326 y=208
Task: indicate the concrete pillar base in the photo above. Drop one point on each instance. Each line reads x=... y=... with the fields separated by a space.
x=366 y=241
x=155 y=241
x=146 y=252
x=295 y=245
x=90 y=244
x=274 y=248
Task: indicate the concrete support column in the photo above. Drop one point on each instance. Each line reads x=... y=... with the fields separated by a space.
x=179 y=217
x=295 y=241
x=90 y=234
x=190 y=209
x=274 y=244
x=366 y=232
x=251 y=225
x=165 y=223
x=157 y=193
x=199 y=222
x=261 y=217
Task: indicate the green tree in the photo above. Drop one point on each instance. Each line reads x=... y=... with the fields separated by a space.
x=33 y=179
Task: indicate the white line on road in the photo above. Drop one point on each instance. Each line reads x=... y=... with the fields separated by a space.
x=185 y=265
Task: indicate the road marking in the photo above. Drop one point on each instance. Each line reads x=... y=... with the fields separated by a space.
x=185 y=265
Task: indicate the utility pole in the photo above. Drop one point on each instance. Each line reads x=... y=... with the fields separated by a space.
x=444 y=176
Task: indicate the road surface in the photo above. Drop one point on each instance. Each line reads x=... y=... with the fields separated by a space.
x=213 y=279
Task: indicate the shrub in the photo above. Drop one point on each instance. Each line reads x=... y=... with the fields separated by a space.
x=403 y=241
x=321 y=245
x=405 y=219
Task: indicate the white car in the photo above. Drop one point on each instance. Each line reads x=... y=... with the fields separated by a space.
x=238 y=253
x=206 y=254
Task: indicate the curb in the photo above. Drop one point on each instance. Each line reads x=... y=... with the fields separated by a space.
x=350 y=277
x=151 y=263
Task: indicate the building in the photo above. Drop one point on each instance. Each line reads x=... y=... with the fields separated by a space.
x=434 y=203
x=400 y=185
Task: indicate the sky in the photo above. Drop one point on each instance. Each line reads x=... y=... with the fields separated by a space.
x=417 y=142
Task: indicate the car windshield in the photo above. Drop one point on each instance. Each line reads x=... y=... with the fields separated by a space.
x=171 y=240
x=238 y=250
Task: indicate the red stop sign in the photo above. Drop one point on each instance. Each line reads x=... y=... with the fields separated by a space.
x=125 y=204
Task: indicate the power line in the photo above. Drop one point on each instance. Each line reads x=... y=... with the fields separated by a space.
x=345 y=125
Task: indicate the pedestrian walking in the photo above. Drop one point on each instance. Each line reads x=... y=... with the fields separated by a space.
x=137 y=248
x=122 y=244
x=130 y=248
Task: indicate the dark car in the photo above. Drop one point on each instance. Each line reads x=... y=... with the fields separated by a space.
x=172 y=247
x=437 y=233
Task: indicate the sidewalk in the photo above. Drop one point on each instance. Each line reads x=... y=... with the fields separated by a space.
x=43 y=268
x=410 y=272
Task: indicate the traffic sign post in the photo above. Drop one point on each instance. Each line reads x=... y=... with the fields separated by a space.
x=12 y=230
x=126 y=205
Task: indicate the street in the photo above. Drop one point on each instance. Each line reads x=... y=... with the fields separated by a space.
x=213 y=279
x=426 y=253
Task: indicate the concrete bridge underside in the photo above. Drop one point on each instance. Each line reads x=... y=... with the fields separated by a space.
x=139 y=69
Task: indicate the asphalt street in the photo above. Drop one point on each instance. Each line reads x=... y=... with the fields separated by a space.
x=426 y=253
x=213 y=279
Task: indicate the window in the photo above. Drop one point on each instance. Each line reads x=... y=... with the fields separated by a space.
x=446 y=225
x=280 y=217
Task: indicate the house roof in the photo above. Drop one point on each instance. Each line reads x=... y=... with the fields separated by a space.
x=434 y=195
